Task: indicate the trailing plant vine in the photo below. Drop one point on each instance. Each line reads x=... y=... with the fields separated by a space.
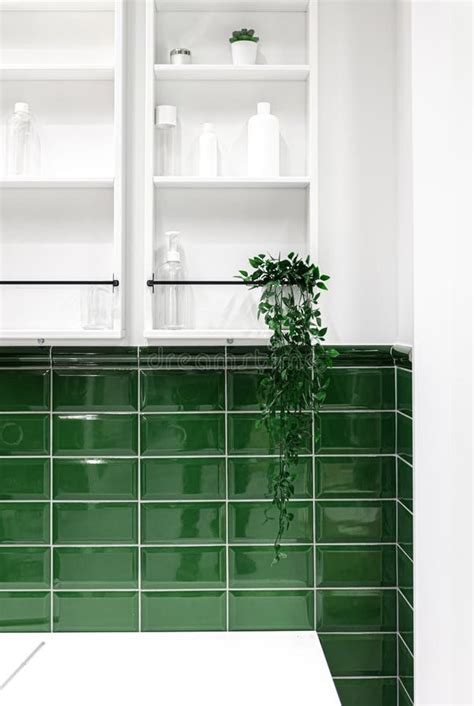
x=295 y=383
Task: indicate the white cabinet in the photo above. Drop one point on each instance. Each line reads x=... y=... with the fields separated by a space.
x=66 y=60
x=225 y=220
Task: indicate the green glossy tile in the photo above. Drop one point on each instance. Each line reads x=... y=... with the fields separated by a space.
x=367 y=692
x=404 y=391
x=405 y=529
x=183 y=478
x=95 y=478
x=95 y=567
x=405 y=621
x=405 y=575
x=346 y=566
x=182 y=434
x=402 y=358
x=271 y=610
x=190 y=610
x=181 y=357
x=21 y=611
x=249 y=477
x=24 y=567
x=405 y=483
x=95 y=356
x=24 y=523
x=97 y=523
x=24 y=478
x=248 y=357
x=355 y=522
x=355 y=477
x=357 y=433
x=24 y=390
x=246 y=438
x=405 y=667
x=24 y=356
x=90 y=611
x=257 y=522
x=253 y=567
x=95 y=435
x=243 y=389
x=356 y=610
x=360 y=655
x=403 y=698
x=405 y=438
x=182 y=390
x=361 y=388
x=24 y=434
x=95 y=390
x=183 y=567
x=360 y=356
x=183 y=523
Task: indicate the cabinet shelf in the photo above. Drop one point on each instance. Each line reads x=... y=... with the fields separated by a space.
x=231 y=182
x=232 y=5
x=60 y=334
x=229 y=72
x=55 y=72
x=65 y=183
x=208 y=334
x=57 y=5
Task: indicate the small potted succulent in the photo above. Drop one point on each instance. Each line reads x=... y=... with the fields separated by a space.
x=244 y=46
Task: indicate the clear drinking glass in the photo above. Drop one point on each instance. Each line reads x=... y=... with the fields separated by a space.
x=97 y=307
x=23 y=149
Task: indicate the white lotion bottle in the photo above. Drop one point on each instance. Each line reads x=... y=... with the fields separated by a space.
x=264 y=143
x=208 y=151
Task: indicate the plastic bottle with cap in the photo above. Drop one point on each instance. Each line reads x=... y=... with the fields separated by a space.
x=264 y=143
x=171 y=296
x=23 y=143
x=166 y=122
x=208 y=151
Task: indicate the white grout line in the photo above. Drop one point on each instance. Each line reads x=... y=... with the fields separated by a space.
x=51 y=494
x=197 y=587
x=400 y=683
x=139 y=494
x=403 y=414
x=393 y=676
x=400 y=592
x=84 y=412
x=226 y=447
x=396 y=520
x=401 y=638
x=196 y=501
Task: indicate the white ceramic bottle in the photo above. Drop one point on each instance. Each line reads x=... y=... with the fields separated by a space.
x=208 y=151
x=264 y=143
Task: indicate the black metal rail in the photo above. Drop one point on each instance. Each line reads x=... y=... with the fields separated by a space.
x=51 y=282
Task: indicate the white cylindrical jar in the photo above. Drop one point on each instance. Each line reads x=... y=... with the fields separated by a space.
x=264 y=143
x=208 y=151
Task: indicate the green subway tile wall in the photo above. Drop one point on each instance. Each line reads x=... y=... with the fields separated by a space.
x=134 y=496
x=404 y=456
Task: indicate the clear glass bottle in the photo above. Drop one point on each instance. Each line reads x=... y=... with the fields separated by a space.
x=97 y=307
x=166 y=123
x=23 y=147
x=171 y=298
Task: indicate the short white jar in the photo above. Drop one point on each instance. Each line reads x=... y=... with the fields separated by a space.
x=180 y=56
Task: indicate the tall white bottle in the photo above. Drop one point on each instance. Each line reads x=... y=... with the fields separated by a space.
x=264 y=143
x=208 y=151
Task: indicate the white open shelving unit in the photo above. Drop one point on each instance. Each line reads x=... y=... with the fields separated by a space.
x=225 y=220
x=66 y=59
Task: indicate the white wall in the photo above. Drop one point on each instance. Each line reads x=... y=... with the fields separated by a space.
x=404 y=174
x=357 y=168
x=442 y=144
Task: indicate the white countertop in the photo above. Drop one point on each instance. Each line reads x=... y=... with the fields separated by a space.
x=170 y=669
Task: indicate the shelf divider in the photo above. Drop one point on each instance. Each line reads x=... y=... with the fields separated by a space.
x=57 y=183
x=229 y=72
x=56 y=72
x=284 y=182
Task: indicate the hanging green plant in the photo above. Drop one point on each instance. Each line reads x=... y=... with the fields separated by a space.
x=295 y=383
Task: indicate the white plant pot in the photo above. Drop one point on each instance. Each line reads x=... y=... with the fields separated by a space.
x=244 y=52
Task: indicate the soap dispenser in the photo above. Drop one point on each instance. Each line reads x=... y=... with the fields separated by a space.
x=171 y=311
